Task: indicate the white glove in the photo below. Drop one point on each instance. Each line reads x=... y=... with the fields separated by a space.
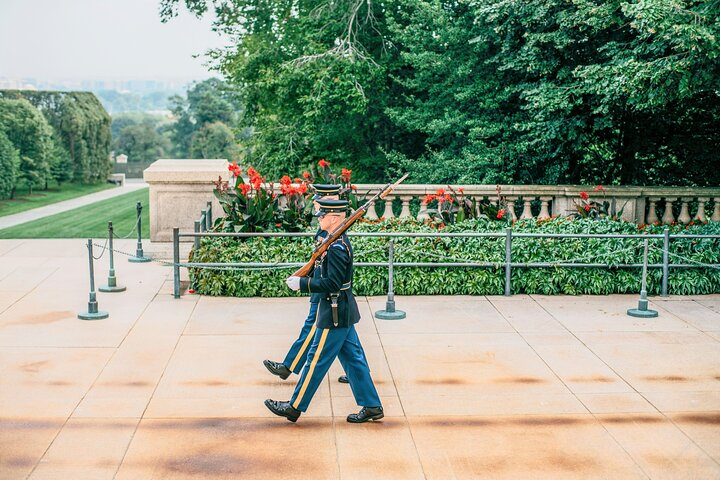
x=293 y=283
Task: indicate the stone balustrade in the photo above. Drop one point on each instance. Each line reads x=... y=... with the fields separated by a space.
x=633 y=204
x=180 y=189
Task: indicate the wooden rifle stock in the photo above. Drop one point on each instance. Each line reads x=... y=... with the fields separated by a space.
x=305 y=270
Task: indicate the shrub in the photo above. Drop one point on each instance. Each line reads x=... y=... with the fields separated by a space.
x=481 y=280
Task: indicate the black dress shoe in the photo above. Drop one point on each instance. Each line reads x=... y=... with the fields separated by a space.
x=343 y=379
x=283 y=409
x=277 y=369
x=367 y=413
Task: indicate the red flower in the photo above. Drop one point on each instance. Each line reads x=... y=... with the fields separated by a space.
x=448 y=198
x=285 y=180
x=587 y=207
x=233 y=167
x=302 y=189
x=256 y=182
x=428 y=198
x=252 y=173
x=297 y=180
x=346 y=174
x=584 y=195
x=354 y=187
x=190 y=290
x=278 y=224
x=323 y=164
x=244 y=188
x=598 y=188
x=306 y=175
x=501 y=213
x=461 y=190
x=440 y=192
x=442 y=225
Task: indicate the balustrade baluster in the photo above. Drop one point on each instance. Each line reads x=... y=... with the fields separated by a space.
x=388 y=213
x=370 y=214
x=684 y=216
x=544 y=212
x=405 y=212
x=422 y=214
x=700 y=215
x=511 y=208
x=652 y=212
x=716 y=211
x=527 y=211
x=668 y=217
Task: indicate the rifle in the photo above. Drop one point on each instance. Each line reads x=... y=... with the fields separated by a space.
x=305 y=270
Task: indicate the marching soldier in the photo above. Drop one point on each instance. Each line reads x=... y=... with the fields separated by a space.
x=335 y=334
x=295 y=358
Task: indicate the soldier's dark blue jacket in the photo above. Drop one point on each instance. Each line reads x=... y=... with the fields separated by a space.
x=336 y=273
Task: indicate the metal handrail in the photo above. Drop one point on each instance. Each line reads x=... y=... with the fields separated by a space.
x=508 y=264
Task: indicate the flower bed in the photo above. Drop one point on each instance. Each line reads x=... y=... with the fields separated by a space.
x=476 y=281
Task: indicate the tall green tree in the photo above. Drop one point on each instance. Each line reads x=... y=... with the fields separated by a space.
x=215 y=140
x=9 y=163
x=542 y=91
x=209 y=101
x=142 y=143
x=31 y=136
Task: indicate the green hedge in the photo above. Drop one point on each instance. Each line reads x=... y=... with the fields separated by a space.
x=476 y=281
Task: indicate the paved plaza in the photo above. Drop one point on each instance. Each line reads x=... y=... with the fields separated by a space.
x=521 y=387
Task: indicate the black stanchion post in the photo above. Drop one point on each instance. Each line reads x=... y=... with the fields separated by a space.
x=112 y=285
x=176 y=262
x=642 y=310
x=390 y=313
x=92 y=312
x=139 y=257
x=508 y=259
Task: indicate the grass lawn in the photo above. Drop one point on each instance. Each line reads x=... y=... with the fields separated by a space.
x=89 y=221
x=55 y=194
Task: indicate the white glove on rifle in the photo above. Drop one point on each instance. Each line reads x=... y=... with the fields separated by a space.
x=293 y=283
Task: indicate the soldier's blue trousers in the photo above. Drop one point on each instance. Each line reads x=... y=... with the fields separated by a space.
x=295 y=358
x=327 y=344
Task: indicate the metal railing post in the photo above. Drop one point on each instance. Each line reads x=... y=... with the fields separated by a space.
x=92 y=312
x=208 y=217
x=508 y=260
x=139 y=256
x=666 y=262
x=112 y=285
x=390 y=313
x=176 y=261
x=197 y=238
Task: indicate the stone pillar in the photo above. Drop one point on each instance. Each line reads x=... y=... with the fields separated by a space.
x=684 y=216
x=544 y=212
x=370 y=214
x=422 y=214
x=179 y=189
x=388 y=213
x=652 y=211
x=405 y=212
x=700 y=215
x=716 y=211
x=527 y=211
x=511 y=208
x=668 y=218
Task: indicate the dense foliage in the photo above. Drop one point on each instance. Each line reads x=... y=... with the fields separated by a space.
x=479 y=91
x=9 y=163
x=80 y=145
x=476 y=281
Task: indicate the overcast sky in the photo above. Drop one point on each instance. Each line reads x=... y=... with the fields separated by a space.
x=100 y=39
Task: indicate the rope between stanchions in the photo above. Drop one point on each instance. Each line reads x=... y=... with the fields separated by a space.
x=137 y=222
x=104 y=247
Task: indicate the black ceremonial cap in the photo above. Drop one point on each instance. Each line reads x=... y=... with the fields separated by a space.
x=331 y=206
x=325 y=190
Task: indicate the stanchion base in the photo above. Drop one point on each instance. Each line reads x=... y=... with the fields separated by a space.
x=385 y=315
x=636 y=312
x=99 y=315
x=116 y=288
x=139 y=259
